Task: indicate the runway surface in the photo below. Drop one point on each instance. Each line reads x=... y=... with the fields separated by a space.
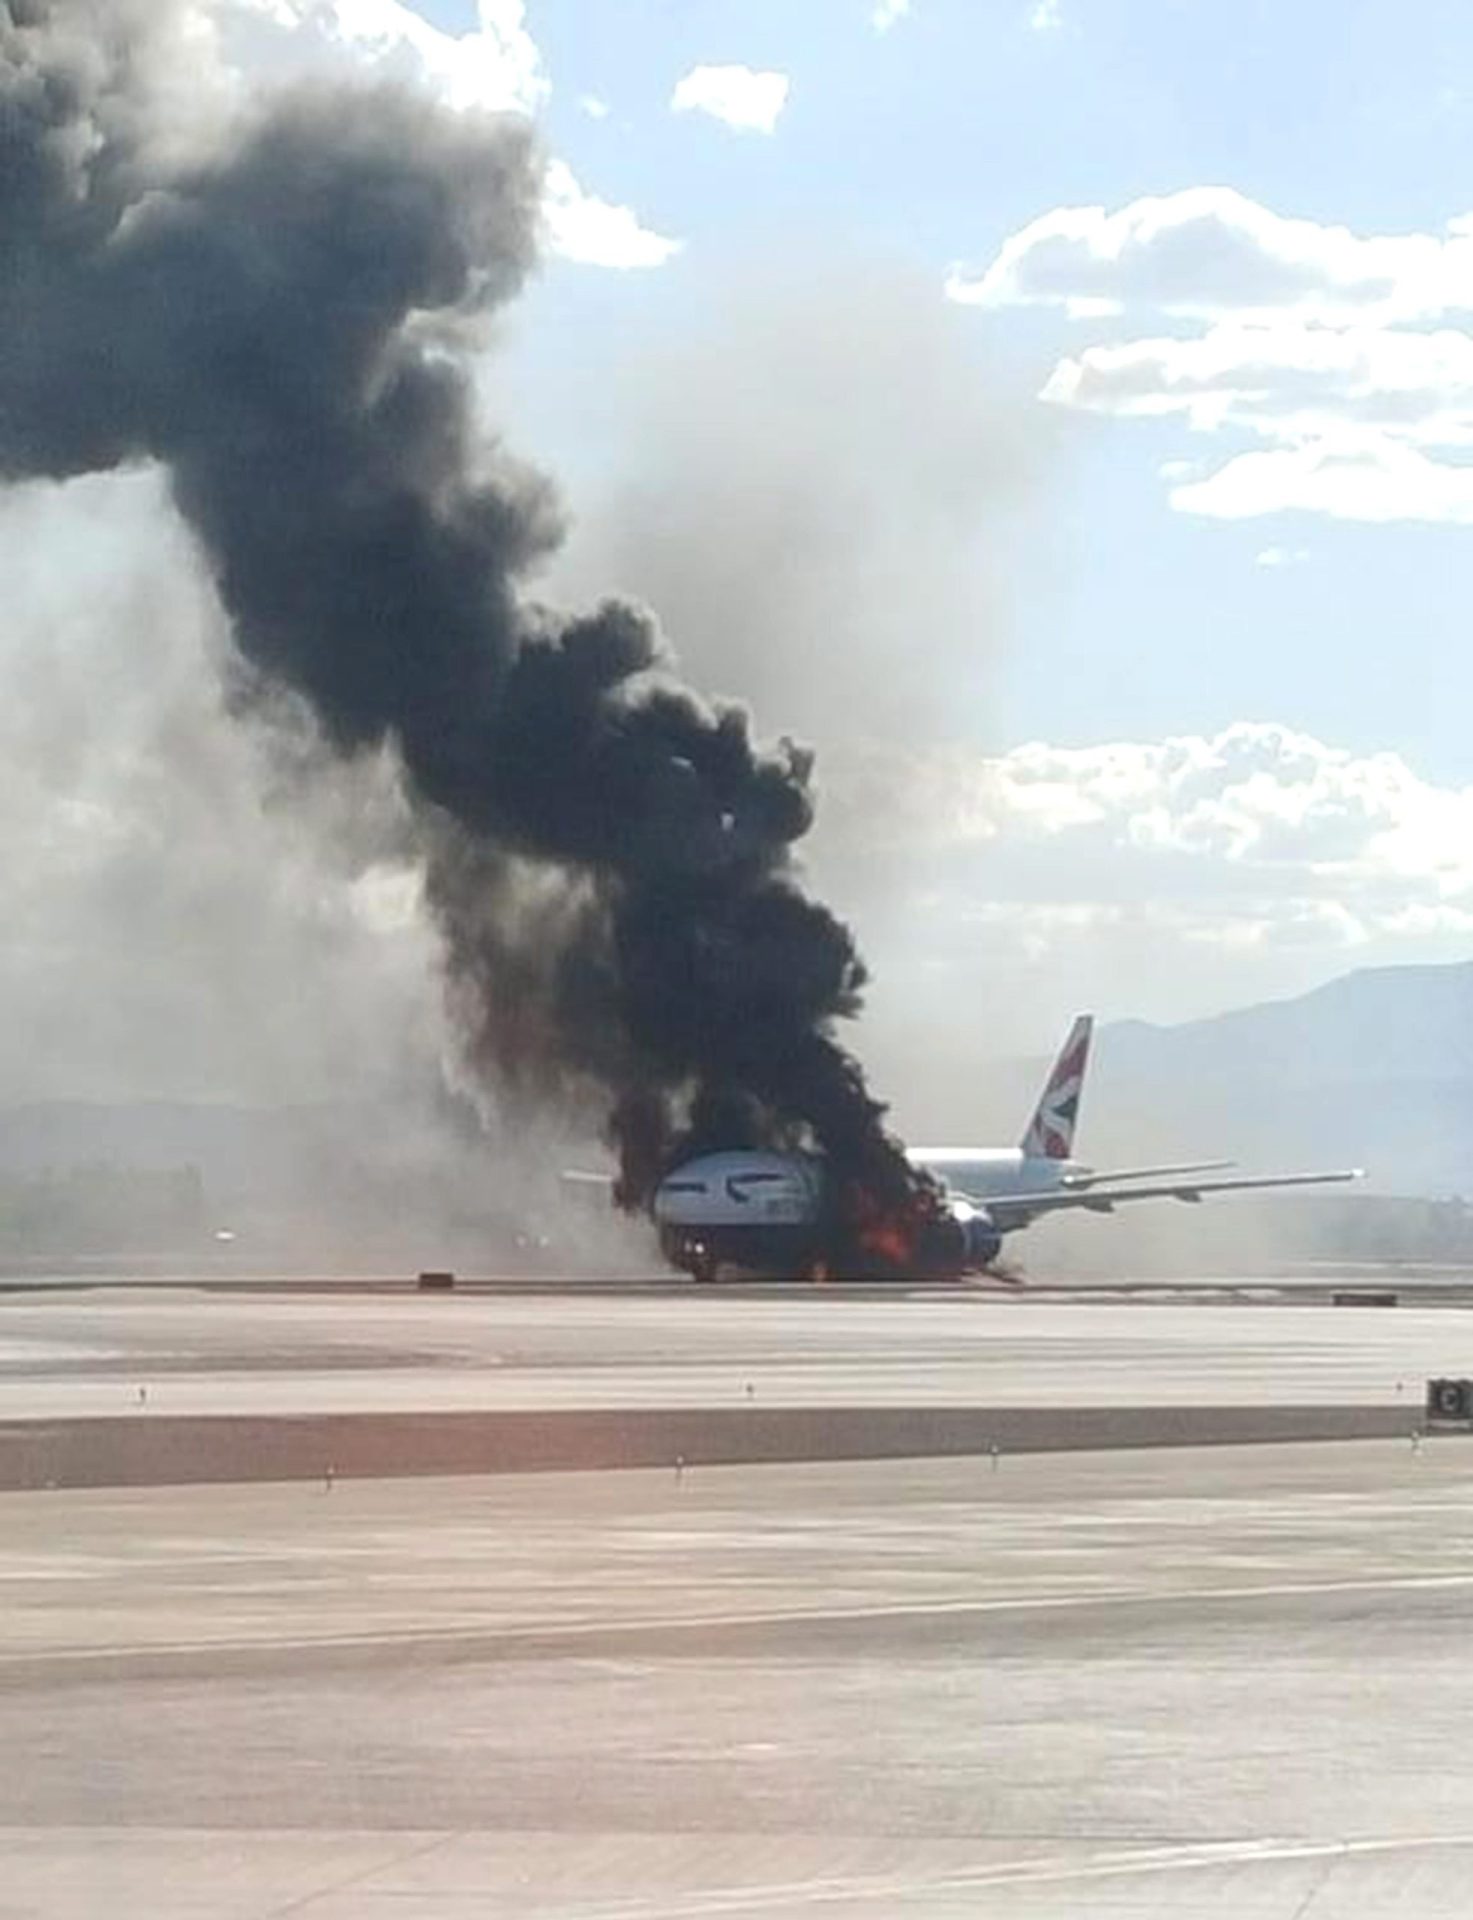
x=1230 y=1683
x=87 y=1353
x=1211 y=1681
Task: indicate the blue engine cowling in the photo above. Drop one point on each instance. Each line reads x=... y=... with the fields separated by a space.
x=980 y=1237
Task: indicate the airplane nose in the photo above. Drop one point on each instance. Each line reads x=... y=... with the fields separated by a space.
x=675 y=1196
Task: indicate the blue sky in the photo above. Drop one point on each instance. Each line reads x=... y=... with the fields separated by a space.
x=934 y=141
x=1267 y=560
x=1060 y=411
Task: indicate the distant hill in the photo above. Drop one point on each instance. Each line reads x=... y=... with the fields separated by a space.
x=236 y=1149
x=1406 y=1024
x=1374 y=1069
x=338 y=1184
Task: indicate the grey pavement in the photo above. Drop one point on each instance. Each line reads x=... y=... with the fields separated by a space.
x=1229 y=1682
x=151 y=1351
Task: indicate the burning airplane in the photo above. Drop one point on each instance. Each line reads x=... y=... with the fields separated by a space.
x=791 y=1213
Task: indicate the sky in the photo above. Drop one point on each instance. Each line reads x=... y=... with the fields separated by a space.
x=1058 y=411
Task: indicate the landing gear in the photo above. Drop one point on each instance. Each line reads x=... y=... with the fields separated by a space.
x=698 y=1261
x=689 y=1255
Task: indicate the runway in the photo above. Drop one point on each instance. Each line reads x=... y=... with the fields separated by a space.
x=88 y=1353
x=1128 y=1684
x=1209 y=1680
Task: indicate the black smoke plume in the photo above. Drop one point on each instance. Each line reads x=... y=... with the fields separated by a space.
x=271 y=316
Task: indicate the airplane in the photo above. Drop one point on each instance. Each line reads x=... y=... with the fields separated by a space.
x=766 y=1212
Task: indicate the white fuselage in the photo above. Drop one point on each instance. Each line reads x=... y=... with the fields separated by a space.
x=741 y=1189
x=747 y=1189
x=985 y=1173
x=752 y=1209
x=771 y=1211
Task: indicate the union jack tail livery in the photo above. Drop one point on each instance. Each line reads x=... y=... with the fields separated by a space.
x=1050 y=1134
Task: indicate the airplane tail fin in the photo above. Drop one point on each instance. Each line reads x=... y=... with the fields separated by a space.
x=1050 y=1134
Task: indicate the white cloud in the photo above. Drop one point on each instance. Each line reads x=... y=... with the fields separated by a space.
x=593 y=106
x=1166 y=878
x=1258 y=834
x=1286 y=382
x=885 y=13
x=740 y=97
x=494 y=66
x=1378 y=483
x=1046 y=17
x=599 y=234
x=1322 y=342
x=1281 y=557
x=1208 y=251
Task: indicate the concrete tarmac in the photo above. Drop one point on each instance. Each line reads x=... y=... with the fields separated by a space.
x=1224 y=1683
x=89 y=1353
x=1220 y=1681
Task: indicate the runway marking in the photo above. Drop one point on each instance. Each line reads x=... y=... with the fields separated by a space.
x=419 y=1849
x=1190 y=1857
x=555 y=1635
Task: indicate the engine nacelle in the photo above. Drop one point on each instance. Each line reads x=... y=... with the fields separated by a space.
x=980 y=1237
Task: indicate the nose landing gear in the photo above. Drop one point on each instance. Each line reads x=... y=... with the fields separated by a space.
x=690 y=1255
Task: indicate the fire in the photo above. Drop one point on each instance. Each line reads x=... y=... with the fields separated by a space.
x=899 y=1237
x=887 y=1240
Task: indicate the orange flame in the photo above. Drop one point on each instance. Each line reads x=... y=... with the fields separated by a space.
x=891 y=1237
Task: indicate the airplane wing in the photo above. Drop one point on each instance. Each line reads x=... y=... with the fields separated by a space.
x=1074 y=1181
x=1010 y=1210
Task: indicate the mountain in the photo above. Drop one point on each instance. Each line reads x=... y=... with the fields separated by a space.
x=1407 y=1024
x=1374 y=1069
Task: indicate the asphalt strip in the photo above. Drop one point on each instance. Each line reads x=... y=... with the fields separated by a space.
x=144 y=1449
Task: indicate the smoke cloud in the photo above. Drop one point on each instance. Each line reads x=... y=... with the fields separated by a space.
x=273 y=316
x=815 y=476
x=195 y=910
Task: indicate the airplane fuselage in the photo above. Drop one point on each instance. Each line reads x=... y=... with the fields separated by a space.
x=767 y=1211
x=984 y=1172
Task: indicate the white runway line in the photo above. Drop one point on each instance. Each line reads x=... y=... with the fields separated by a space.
x=1190 y=1857
x=564 y=1636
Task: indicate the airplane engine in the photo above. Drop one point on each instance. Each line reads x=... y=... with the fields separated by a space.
x=980 y=1237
